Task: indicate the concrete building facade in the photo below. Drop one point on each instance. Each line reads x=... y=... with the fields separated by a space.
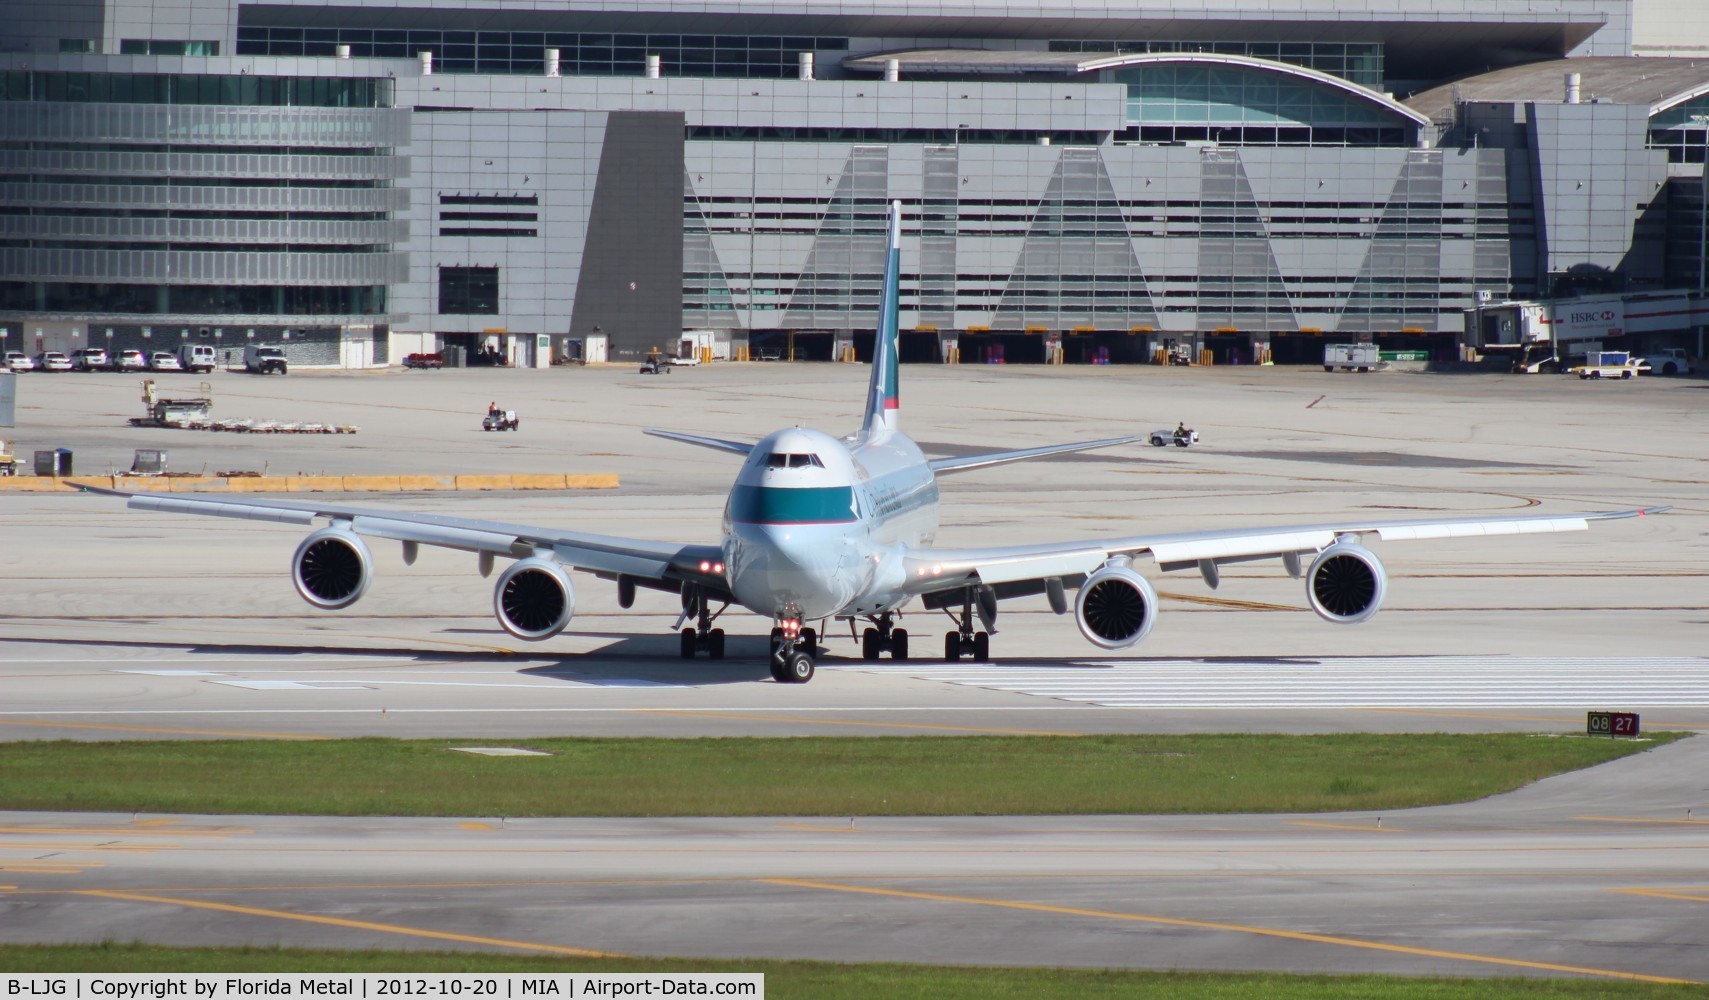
x=1096 y=181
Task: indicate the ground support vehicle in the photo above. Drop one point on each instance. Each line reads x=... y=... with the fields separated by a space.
x=1610 y=364
x=264 y=360
x=8 y=461
x=1669 y=361
x=656 y=364
x=1179 y=437
x=198 y=358
x=501 y=420
x=424 y=361
x=1350 y=357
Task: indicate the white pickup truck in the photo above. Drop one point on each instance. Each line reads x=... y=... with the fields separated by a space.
x=1610 y=364
x=1669 y=361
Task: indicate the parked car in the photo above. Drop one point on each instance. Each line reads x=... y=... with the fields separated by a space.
x=1610 y=364
x=89 y=359
x=1669 y=361
x=52 y=361
x=164 y=361
x=130 y=361
x=18 y=361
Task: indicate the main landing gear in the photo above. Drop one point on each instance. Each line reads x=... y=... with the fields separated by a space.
x=792 y=649
x=702 y=637
x=964 y=641
x=882 y=636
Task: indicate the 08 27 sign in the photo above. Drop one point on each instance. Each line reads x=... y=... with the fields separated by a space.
x=1611 y=723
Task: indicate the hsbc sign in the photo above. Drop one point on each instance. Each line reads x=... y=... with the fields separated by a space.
x=1588 y=320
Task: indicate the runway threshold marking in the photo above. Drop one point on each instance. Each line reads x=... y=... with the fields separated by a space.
x=364 y=925
x=170 y=732
x=851 y=722
x=1518 y=963
x=1347 y=826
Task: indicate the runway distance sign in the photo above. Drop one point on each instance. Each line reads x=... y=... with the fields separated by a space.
x=1611 y=723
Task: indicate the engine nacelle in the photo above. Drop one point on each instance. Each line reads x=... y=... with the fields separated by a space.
x=1116 y=607
x=533 y=599
x=1346 y=584
x=332 y=568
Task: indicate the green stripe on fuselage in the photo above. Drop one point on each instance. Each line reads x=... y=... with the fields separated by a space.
x=779 y=505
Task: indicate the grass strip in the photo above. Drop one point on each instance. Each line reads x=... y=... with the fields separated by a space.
x=786 y=980
x=799 y=776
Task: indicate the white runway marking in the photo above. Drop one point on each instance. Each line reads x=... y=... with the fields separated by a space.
x=1352 y=682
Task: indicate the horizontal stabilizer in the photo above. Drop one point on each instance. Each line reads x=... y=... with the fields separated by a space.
x=716 y=444
x=966 y=462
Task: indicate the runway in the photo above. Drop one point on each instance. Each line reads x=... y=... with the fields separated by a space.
x=129 y=625
x=1598 y=874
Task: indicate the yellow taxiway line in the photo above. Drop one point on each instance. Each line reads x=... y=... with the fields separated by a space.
x=240 y=734
x=363 y=925
x=1517 y=963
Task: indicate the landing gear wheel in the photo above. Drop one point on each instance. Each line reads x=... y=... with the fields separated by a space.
x=798 y=668
x=809 y=640
x=688 y=644
x=899 y=644
x=715 y=644
x=981 y=647
x=952 y=647
x=778 y=673
x=871 y=644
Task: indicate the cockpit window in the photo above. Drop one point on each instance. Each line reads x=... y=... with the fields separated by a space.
x=780 y=460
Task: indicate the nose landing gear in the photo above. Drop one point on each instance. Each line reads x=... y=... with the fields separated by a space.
x=792 y=649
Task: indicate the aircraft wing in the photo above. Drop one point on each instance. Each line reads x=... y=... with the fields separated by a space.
x=646 y=561
x=933 y=570
x=940 y=466
x=717 y=444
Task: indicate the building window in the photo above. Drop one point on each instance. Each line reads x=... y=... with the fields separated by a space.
x=465 y=291
x=76 y=45
x=165 y=47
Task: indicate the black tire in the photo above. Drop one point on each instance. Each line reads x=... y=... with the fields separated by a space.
x=1625 y=375
x=778 y=674
x=687 y=648
x=1670 y=369
x=798 y=669
x=952 y=647
x=715 y=644
x=899 y=644
x=1158 y=442
x=1328 y=368
x=871 y=644
x=809 y=640
x=981 y=647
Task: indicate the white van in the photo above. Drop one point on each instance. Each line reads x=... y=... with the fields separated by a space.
x=199 y=358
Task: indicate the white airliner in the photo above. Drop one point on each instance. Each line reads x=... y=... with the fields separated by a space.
x=820 y=528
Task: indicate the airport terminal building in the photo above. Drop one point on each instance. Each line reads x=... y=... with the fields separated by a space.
x=358 y=180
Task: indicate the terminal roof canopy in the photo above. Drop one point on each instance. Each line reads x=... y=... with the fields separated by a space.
x=1010 y=62
x=1659 y=83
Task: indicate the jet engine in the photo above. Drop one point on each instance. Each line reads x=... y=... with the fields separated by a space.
x=1116 y=607
x=533 y=599
x=332 y=568
x=1345 y=584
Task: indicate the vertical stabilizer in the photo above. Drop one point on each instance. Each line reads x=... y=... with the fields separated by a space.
x=883 y=406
